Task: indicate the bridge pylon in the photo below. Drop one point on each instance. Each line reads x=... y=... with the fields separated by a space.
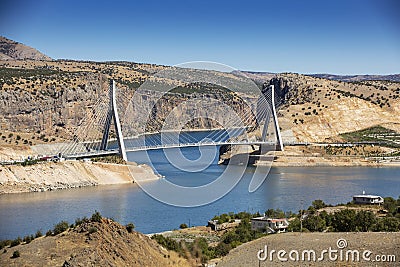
x=279 y=145
x=113 y=117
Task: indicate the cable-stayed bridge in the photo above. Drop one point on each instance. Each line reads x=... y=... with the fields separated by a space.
x=118 y=123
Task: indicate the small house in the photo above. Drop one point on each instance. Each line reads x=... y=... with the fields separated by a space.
x=367 y=199
x=269 y=225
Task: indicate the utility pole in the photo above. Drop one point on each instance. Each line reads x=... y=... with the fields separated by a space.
x=301 y=216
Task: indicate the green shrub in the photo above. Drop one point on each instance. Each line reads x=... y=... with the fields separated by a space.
x=15 y=254
x=183 y=226
x=92 y=230
x=4 y=243
x=96 y=217
x=294 y=226
x=16 y=242
x=314 y=223
x=27 y=239
x=60 y=227
x=387 y=224
x=344 y=221
x=222 y=249
x=318 y=204
x=130 y=227
x=79 y=221
x=167 y=242
x=49 y=233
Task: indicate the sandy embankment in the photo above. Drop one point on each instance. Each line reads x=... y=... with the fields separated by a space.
x=69 y=174
x=327 y=161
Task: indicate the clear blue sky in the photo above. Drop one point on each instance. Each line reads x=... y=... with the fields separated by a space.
x=341 y=36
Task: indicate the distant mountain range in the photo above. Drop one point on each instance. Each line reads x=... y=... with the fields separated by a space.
x=344 y=78
x=354 y=78
x=11 y=50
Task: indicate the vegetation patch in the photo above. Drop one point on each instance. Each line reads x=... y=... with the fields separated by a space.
x=377 y=134
x=350 y=218
x=7 y=75
x=117 y=159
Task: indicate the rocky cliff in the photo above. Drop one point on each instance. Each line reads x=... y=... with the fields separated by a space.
x=317 y=110
x=45 y=101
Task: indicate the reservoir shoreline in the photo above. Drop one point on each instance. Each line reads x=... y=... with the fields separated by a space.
x=50 y=176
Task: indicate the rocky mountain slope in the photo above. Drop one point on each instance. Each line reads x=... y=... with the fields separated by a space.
x=92 y=243
x=319 y=110
x=49 y=99
x=45 y=101
x=11 y=50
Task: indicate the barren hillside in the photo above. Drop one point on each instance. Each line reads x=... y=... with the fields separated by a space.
x=317 y=110
x=10 y=50
x=104 y=243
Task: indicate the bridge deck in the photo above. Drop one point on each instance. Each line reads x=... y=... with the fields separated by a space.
x=96 y=153
x=164 y=146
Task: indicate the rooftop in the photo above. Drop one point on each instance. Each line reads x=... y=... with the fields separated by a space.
x=367 y=196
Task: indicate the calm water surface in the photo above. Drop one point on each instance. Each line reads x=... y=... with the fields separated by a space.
x=288 y=188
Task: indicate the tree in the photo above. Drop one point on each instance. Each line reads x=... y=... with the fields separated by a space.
x=223 y=218
x=365 y=220
x=311 y=210
x=344 y=221
x=314 y=223
x=96 y=217
x=387 y=224
x=271 y=213
x=294 y=225
x=318 y=204
x=16 y=242
x=222 y=249
x=183 y=226
x=27 y=239
x=38 y=234
x=390 y=204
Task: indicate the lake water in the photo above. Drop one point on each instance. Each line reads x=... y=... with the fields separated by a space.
x=287 y=188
